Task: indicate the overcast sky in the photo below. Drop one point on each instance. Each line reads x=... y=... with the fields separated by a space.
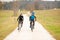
x=6 y=0
x=12 y=0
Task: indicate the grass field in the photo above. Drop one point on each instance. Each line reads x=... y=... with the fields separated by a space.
x=7 y=23
x=50 y=19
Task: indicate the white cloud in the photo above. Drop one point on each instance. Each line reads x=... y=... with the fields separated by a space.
x=6 y=0
x=48 y=0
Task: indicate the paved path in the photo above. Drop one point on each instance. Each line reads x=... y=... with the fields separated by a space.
x=39 y=32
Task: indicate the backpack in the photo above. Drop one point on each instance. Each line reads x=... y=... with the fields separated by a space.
x=32 y=18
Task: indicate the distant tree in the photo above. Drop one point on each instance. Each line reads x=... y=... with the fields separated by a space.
x=15 y=7
x=41 y=7
x=36 y=5
x=1 y=5
x=30 y=6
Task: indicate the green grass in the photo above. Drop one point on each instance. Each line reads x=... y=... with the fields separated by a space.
x=7 y=23
x=50 y=19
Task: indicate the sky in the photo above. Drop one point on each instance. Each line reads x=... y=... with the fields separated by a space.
x=12 y=0
x=6 y=0
x=49 y=0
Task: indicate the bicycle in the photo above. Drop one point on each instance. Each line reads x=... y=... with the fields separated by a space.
x=20 y=25
x=32 y=25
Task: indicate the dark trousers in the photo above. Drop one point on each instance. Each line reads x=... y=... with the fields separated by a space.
x=32 y=23
x=20 y=23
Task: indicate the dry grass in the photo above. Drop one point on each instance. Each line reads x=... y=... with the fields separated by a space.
x=50 y=19
x=7 y=23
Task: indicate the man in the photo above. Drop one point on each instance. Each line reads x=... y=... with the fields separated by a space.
x=20 y=21
x=32 y=22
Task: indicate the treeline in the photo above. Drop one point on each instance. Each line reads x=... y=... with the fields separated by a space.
x=37 y=5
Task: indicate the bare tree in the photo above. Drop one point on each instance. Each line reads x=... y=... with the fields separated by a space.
x=15 y=7
x=30 y=6
x=36 y=5
x=1 y=5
